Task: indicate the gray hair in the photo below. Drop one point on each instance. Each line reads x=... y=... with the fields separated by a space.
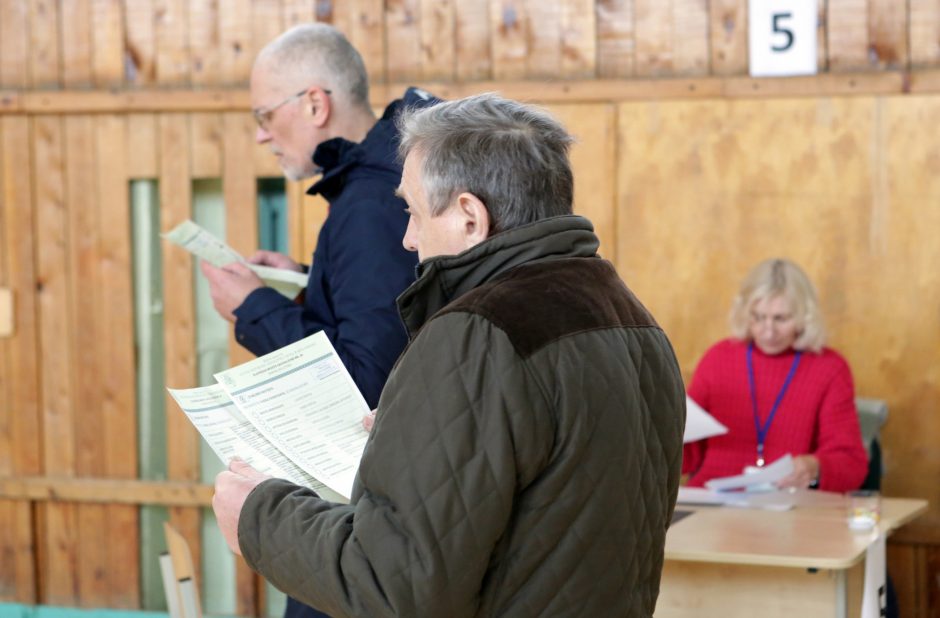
x=779 y=277
x=318 y=55
x=512 y=156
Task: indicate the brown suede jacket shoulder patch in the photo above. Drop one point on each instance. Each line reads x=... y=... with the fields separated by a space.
x=542 y=302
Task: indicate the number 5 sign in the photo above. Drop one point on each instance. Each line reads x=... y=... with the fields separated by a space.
x=782 y=37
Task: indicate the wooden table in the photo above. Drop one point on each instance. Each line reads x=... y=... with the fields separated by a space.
x=729 y=562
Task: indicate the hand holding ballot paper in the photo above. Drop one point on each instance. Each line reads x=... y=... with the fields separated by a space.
x=294 y=413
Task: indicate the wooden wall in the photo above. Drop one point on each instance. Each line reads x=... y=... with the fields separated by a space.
x=691 y=171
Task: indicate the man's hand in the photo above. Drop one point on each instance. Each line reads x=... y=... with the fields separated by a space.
x=805 y=471
x=368 y=421
x=229 y=286
x=231 y=490
x=275 y=259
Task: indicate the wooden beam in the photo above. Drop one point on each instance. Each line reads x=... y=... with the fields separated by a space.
x=105 y=491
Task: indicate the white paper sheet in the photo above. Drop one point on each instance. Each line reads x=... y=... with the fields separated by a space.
x=204 y=245
x=767 y=476
x=302 y=399
x=770 y=501
x=699 y=424
x=874 y=596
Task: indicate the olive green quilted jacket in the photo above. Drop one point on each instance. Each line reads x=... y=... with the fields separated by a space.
x=525 y=456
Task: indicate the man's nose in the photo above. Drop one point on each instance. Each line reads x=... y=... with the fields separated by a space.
x=261 y=135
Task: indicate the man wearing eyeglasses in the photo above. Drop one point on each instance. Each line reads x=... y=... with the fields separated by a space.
x=310 y=99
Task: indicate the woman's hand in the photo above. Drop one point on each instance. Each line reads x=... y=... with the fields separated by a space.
x=805 y=472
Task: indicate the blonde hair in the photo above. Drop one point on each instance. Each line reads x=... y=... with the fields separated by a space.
x=780 y=277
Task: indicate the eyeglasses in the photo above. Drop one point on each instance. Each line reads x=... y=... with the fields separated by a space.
x=263 y=115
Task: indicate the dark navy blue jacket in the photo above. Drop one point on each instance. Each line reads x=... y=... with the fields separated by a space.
x=359 y=265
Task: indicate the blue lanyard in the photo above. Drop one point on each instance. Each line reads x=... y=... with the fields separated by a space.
x=763 y=429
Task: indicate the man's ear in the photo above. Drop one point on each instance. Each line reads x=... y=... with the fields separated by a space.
x=318 y=105
x=475 y=219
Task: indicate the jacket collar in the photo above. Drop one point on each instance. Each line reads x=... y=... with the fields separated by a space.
x=443 y=279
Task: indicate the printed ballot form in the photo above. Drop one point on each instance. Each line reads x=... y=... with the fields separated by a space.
x=294 y=413
x=206 y=246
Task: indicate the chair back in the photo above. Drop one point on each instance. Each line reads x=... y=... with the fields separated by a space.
x=872 y=414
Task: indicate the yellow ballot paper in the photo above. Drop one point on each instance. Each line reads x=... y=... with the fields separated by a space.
x=294 y=413
x=206 y=246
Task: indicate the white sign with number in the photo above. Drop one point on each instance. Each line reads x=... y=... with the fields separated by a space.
x=782 y=37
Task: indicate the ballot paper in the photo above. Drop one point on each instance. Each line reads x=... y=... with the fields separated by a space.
x=294 y=413
x=206 y=246
x=699 y=424
x=766 y=477
x=769 y=501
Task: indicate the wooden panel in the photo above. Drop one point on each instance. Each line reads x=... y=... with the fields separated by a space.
x=105 y=491
x=593 y=160
x=266 y=25
x=142 y=146
x=206 y=160
x=363 y=23
x=848 y=35
x=616 y=42
x=578 y=40
x=508 y=38
x=403 y=32
x=690 y=34
x=924 y=23
x=179 y=316
x=76 y=43
x=729 y=53
x=822 y=36
x=171 y=35
x=44 y=43
x=298 y=12
x=542 y=25
x=887 y=34
x=140 y=45
x=204 y=43
x=108 y=42
x=438 y=26
x=19 y=378
x=59 y=528
x=472 y=34
x=86 y=330
x=654 y=37
x=235 y=33
x=14 y=44
x=116 y=354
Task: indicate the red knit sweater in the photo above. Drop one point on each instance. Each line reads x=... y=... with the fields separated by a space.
x=816 y=416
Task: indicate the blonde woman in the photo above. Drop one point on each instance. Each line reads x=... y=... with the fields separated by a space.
x=778 y=389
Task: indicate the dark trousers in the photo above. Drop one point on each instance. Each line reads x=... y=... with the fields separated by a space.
x=296 y=609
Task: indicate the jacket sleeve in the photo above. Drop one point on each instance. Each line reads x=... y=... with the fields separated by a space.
x=364 y=269
x=843 y=462
x=458 y=429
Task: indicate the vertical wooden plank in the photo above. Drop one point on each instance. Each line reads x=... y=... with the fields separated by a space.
x=59 y=565
x=728 y=27
x=438 y=37
x=594 y=163
x=76 y=43
x=172 y=53
x=404 y=40
x=84 y=287
x=509 y=39
x=237 y=54
x=140 y=48
x=14 y=44
x=654 y=37
x=543 y=30
x=848 y=35
x=473 y=40
x=266 y=25
x=822 y=36
x=616 y=42
x=108 y=42
x=179 y=318
x=20 y=392
x=240 y=192
x=578 y=39
x=298 y=12
x=116 y=356
x=925 y=33
x=43 y=50
x=690 y=37
x=206 y=131
x=887 y=34
x=142 y=151
x=204 y=43
x=363 y=23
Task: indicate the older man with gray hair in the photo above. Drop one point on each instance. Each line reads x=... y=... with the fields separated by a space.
x=525 y=455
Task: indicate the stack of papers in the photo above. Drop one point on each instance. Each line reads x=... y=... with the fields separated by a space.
x=294 y=414
x=204 y=245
